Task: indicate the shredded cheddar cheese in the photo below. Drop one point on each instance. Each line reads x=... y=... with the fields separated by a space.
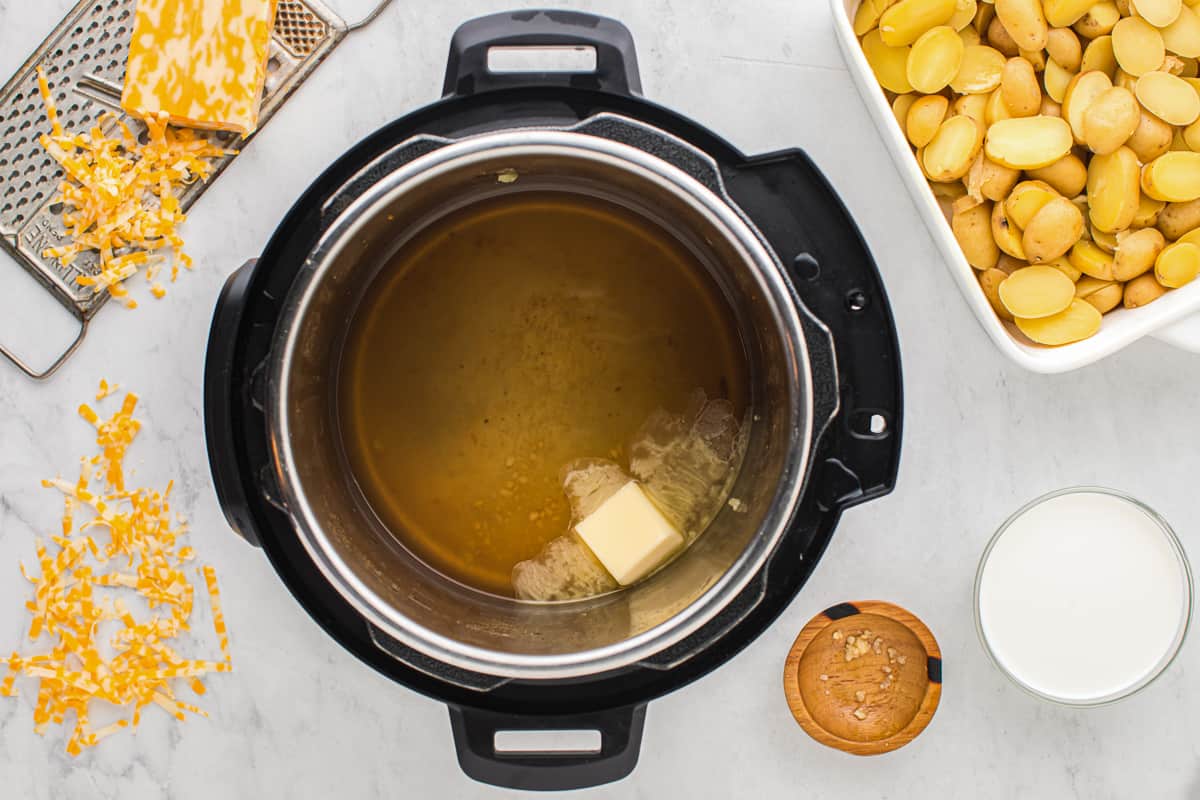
x=105 y=390
x=119 y=195
x=99 y=647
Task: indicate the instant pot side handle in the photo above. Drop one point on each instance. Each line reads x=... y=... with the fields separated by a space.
x=475 y=740
x=468 y=70
x=835 y=276
x=221 y=392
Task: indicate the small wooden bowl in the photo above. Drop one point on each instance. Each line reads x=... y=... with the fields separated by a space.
x=864 y=677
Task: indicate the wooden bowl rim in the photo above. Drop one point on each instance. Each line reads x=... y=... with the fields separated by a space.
x=933 y=690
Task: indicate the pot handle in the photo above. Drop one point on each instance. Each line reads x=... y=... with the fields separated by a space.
x=220 y=390
x=468 y=72
x=835 y=277
x=475 y=732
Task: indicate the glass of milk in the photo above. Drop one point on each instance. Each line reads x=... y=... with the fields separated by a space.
x=1083 y=597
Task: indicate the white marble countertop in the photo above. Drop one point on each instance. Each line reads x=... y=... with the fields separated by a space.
x=301 y=718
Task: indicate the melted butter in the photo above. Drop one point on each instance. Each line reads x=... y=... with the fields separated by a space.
x=506 y=341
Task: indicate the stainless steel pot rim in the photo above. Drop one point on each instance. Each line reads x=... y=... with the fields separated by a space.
x=771 y=280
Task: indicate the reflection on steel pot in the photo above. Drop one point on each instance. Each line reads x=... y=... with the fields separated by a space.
x=825 y=397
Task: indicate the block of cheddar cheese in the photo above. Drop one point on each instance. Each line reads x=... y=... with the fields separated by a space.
x=201 y=62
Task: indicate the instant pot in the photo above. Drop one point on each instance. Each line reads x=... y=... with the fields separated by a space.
x=825 y=397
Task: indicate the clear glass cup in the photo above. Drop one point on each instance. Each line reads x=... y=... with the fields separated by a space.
x=1168 y=657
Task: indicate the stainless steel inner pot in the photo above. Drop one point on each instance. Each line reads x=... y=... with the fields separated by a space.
x=399 y=594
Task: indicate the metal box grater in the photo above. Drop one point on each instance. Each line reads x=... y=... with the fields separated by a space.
x=84 y=60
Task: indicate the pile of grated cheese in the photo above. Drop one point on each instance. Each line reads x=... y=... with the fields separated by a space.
x=100 y=648
x=119 y=196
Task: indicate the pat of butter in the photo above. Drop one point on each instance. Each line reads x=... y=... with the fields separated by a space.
x=629 y=535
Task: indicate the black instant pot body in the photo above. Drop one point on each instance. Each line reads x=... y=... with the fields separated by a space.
x=854 y=459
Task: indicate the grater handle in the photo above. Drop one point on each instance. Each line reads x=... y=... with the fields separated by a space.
x=616 y=71
x=42 y=375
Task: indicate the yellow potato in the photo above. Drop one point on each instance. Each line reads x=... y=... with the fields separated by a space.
x=1098 y=21
x=1147 y=213
x=1028 y=142
x=973 y=106
x=1067 y=176
x=1078 y=321
x=1083 y=90
x=1177 y=265
x=1035 y=57
x=1170 y=98
x=1056 y=79
x=1053 y=231
x=1091 y=260
x=1123 y=7
x=984 y=15
x=868 y=13
x=1177 y=220
x=949 y=154
x=890 y=64
x=901 y=106
x=1111 y=119
x=1019 y=88
x=1006 y=234
x=1182 y=36
x=973 y=230
x=1143 y=290
x=924 y=118
x=1136 y=252
x=969 y=36
x=981 y=70
x=1036 y=292
x=1124 y=79
x=1061 y=13
x=996 y=109
x=999 y=38
x=948 y=191
x=1098 y=56
x=1191 y=136
x=1104 y=240
x=1112 y=190
x=1025 y=200
x=903 y=23
x=1024 y=21
x=1138 y=46
x=1008 y=264
x=964 y=15
x=1172 y=64
x=1173 y=177
x=987 y=179
x=1159 y=13
x=1063 y=47
x=1064 y=265
x=990 y=281
x=1104 y=296
x=1081 y=202
x=934 y=59
x=1151 y=138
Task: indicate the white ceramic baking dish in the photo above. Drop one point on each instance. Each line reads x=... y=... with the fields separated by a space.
x=1172 y=318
